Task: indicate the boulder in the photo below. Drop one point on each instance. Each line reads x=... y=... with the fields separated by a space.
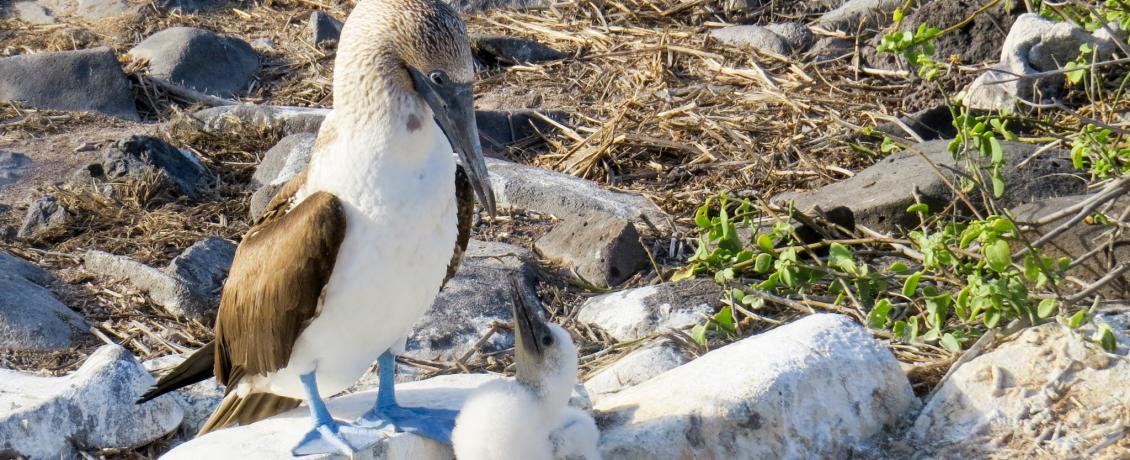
x=518 y=186
x=879 y=195
x=197 y=401
x=810 y=389
x=978 y=41
x=1033 y=45
x=101 y=9
x=1050 y=389
x=324 y=29
x=1081 y=239
x=189 y=286
x=199 y=59
x=83 y=81
x=853 y=13
x=634 y=313
x=752 y=37
x=43 y=214
x=136 y=157
x=30 y=12
x=478 y=295
x=501 y=129
x=91 y=408
x=633 y=369
x=495 y=50
x=797 y=35
x=13 y=165
x=31 y=318
x=604 y=251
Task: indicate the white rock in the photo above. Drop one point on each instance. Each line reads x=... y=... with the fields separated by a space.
x=852 y=13
x=809 y=389
x=45 y=417
x=635 y=368
x=273 y=438
x=197 y=400
x=634 y=313
x=751 y=36
x=1048 y=380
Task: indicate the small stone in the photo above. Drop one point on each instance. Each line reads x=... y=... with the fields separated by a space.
x=84 y=81
x=92 y=408
x=830 y=48
x=199 y=59
x=604 y=251
x=177 y=295
x=879 y=195
x=812 y=388
x=500 y=129
x=138 y=156
x=12 y=166
x=197 y=400
x=324 y=29
x=634 y=313
x=497 y=51
x=752 y=36
x=32 y=13
x=263 y=44
x=850 y=15
x=797 y=35
x=633 y=369
x=285 y=160
x=43 y=215
x=204 y=266
x=190 y=6
x=101 y=9
x=31 y=318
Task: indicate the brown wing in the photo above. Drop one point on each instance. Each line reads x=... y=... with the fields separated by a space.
x=273 y=288
x=465 y=203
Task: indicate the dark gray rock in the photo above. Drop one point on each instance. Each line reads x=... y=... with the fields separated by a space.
x=138 y=156
x=471 y=6
x=879 y=195
x=752 y=37
x=478 y=295
x=85 y=81
x=929 y=124
x=605 y=251
x=501 y=129
x=829 y=48
x=261 y=198
x=42 y=215
x=90 y=409
x=190 y=6
x=850 y=15
x=495 y=50
x=12 y=166
x=31 y=318
x=977 y=42
x=797 y=35
x=204 y=266
x=285 y=160
x=1082 y=238
x=518 y=186
x=199 y=59
x=324 y=29
x=190 y=286
x=634 y=313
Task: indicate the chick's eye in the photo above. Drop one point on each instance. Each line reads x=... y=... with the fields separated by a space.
x=438 y=78
x=547 y=340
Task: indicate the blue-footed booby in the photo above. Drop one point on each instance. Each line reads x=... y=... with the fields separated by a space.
x=529 y=418
x=353 y=251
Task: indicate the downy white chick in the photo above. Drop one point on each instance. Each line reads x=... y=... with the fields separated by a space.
x=529 y=418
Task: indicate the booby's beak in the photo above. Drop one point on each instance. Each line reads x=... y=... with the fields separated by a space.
x=453 y=105
x=531 y=334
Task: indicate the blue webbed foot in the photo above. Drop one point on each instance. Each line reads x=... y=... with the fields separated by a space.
x=430 y=423
x=335 y=437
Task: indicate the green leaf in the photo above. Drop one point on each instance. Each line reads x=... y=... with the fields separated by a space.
x=918 y=207
x=949 y=342
x=1046 y=308
x=1077 y=319
x=698 y=334
x=1107 y=339
x=998 y=186
x=910 y=286
x=763 y=263
x=997 y=151
x=725 y=320
x=878 y=316
x=765 y=242
x=992 y=317
x=702 y=216
x=898 y=267
x=999 y=255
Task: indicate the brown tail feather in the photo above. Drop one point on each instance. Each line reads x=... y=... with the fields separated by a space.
x=236 y=410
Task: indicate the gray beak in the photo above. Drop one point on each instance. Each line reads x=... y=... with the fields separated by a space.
x=453 y=105
x=530 y=330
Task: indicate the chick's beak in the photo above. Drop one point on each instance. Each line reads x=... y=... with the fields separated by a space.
x=528 y=323
x=453 y=105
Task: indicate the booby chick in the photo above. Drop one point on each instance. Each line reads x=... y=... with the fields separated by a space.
x=353 y=251
x=529 y=418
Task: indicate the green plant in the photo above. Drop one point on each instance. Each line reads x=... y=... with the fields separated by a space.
x=1101 y=152
x=917 y=47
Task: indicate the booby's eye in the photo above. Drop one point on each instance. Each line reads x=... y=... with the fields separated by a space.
x=438 y=77
x=547 y=340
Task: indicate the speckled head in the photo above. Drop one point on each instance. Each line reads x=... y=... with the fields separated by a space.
x=391 y=49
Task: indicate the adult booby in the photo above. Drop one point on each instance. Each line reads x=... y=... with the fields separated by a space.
x=352 y=252
x=529 y=418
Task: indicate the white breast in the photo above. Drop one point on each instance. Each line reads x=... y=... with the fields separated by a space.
x=399 y=198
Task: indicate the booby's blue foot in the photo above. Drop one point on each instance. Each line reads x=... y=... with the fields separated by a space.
x=431 y=423
x=328 y=435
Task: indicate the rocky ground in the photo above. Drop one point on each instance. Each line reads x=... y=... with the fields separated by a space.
x=138 y=139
